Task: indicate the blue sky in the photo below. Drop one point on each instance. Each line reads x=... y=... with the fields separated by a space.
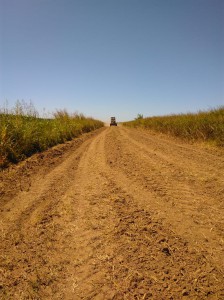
x=113 y=57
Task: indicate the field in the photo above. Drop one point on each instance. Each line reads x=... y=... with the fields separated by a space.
x=116 y=214
x=207 y=126
x=23 y=133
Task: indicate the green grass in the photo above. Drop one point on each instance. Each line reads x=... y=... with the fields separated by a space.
x=205 y=126
x=23 y=133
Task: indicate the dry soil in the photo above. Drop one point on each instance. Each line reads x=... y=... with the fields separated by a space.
x=117 y=214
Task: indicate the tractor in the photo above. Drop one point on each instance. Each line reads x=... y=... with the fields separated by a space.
x=113 y=121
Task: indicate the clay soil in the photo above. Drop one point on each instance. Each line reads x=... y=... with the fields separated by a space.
x=117 y=214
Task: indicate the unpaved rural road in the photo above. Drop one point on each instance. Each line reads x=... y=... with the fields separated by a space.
x=117 y=214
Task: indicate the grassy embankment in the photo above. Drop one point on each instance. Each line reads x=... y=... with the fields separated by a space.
x=23 y=133
x=203 y=126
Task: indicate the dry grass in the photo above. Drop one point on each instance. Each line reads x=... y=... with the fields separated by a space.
x=23 y=133
x=205 y=125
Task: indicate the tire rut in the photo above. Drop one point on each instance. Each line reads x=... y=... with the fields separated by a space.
x=107 y=223
x=174 y=200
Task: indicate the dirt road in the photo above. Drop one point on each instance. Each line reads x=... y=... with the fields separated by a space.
x=118 y=214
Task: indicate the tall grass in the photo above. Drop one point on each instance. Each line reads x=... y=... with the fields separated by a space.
x=23 y=132
x=203 y=126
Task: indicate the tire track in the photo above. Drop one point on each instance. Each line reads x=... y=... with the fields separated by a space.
x=180 y=205
x=103 y=226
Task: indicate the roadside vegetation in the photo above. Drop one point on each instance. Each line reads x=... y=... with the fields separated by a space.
x=23 y=132
x=203 y=126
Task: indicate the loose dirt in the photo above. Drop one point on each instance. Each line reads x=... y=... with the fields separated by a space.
x=117 y=214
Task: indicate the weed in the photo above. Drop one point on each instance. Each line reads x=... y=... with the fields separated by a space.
x=23 y=132
x=205 y=125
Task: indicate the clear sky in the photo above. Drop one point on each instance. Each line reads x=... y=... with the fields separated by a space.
x=113 y=57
